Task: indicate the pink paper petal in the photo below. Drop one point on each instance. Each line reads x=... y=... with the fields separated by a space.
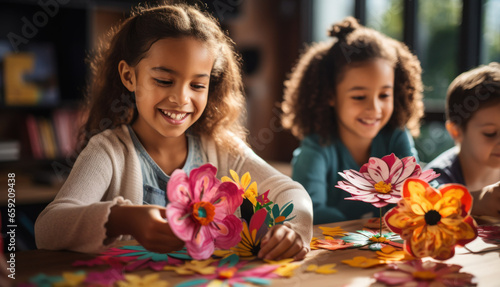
x=378 y=169
x=228 y=232
x=182 y=225
x=178 y=188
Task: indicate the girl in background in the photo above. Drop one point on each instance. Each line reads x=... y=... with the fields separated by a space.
x=349 y=100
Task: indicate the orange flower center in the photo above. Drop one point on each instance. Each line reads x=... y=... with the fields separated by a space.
x=432 y=217
x=382 y=187
x=203 y=212
x=378 y=239
x=424 y=275
x=227 y=273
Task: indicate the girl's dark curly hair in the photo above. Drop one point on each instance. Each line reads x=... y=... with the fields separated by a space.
x=111 y=104
x=313 y=81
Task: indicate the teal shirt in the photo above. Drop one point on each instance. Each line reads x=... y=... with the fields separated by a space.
x=316 y=167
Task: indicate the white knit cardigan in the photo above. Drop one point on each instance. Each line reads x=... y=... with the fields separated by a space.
x=107 y=172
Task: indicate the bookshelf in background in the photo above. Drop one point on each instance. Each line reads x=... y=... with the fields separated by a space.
x=43 y=73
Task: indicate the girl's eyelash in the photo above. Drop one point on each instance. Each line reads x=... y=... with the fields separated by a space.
x=490 y=135
x=198 y=86
x=161 y=82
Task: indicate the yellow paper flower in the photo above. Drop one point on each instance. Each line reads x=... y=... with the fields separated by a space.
x=286 y=268
x=432 y=221
x=362 y=262
x=323 y=269
x=333 y=231
x=194 y=266
x=151 y=280
x=249 y=190
x=71 y=279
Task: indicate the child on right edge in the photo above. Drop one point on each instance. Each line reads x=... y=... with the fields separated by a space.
x=348 y=101
x=473 y=121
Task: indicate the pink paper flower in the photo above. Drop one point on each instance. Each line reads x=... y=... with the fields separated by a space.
x=422 y=274
x=379 y=181
x=201 y=210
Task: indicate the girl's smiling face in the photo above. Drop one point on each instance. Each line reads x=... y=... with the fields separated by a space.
x=480 y=140
x=364 y=100
x=171 y=86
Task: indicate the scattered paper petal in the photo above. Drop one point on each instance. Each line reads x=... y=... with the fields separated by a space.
x=43 y=280
x=323 y=269
x=71 y=279
x=429 y=273
x=362 y=262
x=104 y=278
x=333 y=231
x=150 y=280
x=194 y=266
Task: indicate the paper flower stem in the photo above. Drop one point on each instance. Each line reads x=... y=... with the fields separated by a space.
x=380 y=221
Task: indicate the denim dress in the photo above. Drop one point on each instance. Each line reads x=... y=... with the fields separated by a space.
x=153 y=178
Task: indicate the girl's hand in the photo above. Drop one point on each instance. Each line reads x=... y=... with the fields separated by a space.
x=147 y=224
x=282 y=242
x=487 y=201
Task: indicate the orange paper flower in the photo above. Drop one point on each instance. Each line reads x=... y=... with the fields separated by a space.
x=432 y=221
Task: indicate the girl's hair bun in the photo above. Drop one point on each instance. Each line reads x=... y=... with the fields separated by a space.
x=344 y=28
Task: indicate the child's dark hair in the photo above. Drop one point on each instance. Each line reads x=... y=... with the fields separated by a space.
x=313 y=82
x=472 y=91
x=111 y=104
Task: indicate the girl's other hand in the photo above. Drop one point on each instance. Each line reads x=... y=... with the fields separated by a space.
x=147 y=224
x=487 y=201
x=282 y=242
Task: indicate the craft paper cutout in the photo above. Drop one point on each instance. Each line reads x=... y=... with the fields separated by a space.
x=432 y=222
x=200 y=211
x=44 y=280
x=115 y=262
x=372 y=239
x=330 y=244
x=362 y=262
x=379 y=181
x=489 y=233
x=148 y=264
x=286 y=267
x=236 y=276
x=428 y=273
x=194 y=266
x=251 y=235
x=150 y=280
x=71 y=279
x=137 y=252
x=250 y=191
x=333 y=231
x=105 y=278
x=323 y=269
x=390 y=254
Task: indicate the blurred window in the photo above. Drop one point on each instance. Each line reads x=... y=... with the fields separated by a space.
x=326 y=13
x=386 y=17
x=490 y=40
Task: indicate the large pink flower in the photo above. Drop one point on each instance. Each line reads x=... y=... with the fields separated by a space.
x=379 y=181
x=200 y=211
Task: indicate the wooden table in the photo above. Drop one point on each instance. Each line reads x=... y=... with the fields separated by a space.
x=485 y=266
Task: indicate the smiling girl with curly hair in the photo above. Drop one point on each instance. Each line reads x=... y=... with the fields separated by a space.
x=349 y=100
